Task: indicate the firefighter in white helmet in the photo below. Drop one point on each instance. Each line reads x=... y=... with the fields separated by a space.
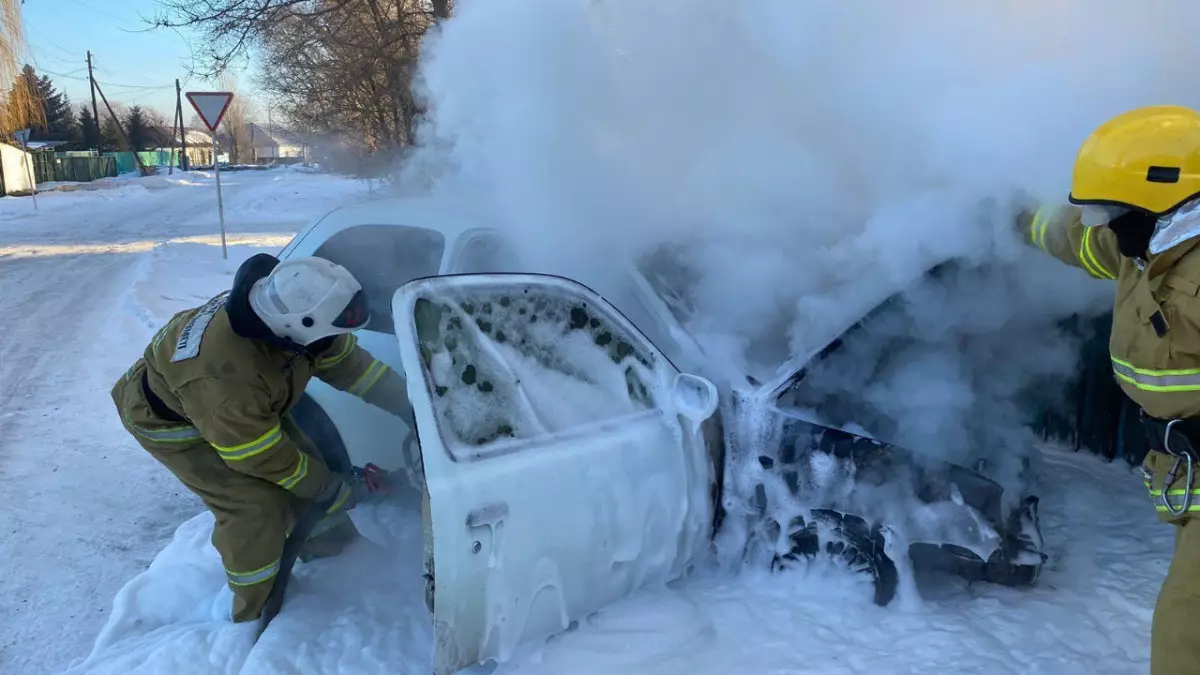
x=211 y=399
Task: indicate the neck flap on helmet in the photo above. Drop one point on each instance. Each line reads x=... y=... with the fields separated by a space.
x=1176 y=227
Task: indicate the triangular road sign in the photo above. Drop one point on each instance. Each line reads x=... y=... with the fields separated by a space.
x=210 y=105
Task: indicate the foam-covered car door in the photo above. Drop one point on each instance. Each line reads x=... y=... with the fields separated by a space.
x=563 y=458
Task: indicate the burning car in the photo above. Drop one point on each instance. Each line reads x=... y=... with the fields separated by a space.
x=572 y=445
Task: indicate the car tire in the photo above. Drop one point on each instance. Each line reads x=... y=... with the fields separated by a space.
x=859 y=546
x=312 y=420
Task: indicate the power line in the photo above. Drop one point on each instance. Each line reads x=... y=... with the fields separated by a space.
x=49 y=41
x=135 y=87
x=70 y=76
x=85 y=5
x=38 y=51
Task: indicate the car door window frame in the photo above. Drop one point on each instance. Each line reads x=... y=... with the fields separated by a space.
x=465 y=451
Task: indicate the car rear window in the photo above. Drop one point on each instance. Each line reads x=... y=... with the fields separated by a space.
x=384 y=258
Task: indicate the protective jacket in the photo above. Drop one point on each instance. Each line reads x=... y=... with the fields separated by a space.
x=1155 y=340
x=217 y=373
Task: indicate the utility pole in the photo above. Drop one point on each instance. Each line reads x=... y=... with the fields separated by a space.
x=136 y=157
x=174 y=128
x=95 y=110
x=184 y=164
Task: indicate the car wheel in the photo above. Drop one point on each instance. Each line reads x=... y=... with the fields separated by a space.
x=855 y=543
x=313 y=421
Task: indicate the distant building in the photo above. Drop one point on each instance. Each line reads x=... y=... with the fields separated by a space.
x=274 y=144
x=278 y=145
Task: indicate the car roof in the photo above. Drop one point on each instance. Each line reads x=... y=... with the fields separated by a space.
x=444 y=215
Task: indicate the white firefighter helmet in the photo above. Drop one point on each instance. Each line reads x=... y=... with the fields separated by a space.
x=307 y=299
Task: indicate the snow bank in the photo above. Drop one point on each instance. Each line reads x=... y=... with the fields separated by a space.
x=184 y=273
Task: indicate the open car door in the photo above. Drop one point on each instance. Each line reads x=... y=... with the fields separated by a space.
x=564 y=460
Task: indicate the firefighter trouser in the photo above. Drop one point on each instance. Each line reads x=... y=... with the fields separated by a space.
x=1174 y=633
x=251 y=516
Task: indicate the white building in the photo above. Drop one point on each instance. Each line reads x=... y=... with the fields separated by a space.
x=274 y=143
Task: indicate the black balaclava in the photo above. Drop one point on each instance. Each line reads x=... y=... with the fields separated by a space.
x=1133 y=231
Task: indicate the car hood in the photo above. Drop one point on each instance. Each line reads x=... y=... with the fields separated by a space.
x=761 y=356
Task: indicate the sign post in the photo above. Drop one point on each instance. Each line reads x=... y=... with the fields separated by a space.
x=211 y=107
x=22 y=137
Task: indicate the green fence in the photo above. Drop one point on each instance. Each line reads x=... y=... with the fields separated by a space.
x=160 y=158
x=69 y=167
x=124 y=161
x=127 y=164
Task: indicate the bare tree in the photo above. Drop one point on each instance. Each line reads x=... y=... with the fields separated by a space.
x=339 y=68
x=232 y=27
x=234 y=123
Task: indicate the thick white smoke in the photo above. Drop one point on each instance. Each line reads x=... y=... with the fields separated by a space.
x=833 y=150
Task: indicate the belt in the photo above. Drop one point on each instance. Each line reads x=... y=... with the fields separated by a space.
x=157 y=406
x=1175 y=437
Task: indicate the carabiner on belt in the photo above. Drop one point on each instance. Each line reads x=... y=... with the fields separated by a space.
x=1186 y=456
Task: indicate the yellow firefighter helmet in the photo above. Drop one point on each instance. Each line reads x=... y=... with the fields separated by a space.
x=1146 y=159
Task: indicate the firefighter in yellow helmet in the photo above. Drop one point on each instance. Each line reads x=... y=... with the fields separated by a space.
x=1136 y=221
x=211 y=399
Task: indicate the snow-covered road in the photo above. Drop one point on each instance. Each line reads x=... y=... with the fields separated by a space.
x=83 y=509
x=88 y=278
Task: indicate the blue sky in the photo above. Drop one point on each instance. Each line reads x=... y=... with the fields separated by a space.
x=134 y=68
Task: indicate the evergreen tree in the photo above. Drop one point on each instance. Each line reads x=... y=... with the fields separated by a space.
x=138 y=128
x=111 y=140
x=89 y=135
x=60 y=119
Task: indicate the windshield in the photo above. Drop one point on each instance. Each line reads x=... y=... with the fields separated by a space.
x=676 y=274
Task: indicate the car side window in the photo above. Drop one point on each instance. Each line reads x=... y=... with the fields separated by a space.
x=383 y=258
x=522 y=361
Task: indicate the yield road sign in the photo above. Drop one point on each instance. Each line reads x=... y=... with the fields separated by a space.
x=210 y=106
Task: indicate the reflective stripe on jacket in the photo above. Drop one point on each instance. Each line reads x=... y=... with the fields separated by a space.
x=235 y=392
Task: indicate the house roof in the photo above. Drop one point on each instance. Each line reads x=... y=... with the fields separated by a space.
x=44 y=145
x=273 y=136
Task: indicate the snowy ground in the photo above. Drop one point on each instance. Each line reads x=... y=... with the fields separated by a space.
x=90 y=275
